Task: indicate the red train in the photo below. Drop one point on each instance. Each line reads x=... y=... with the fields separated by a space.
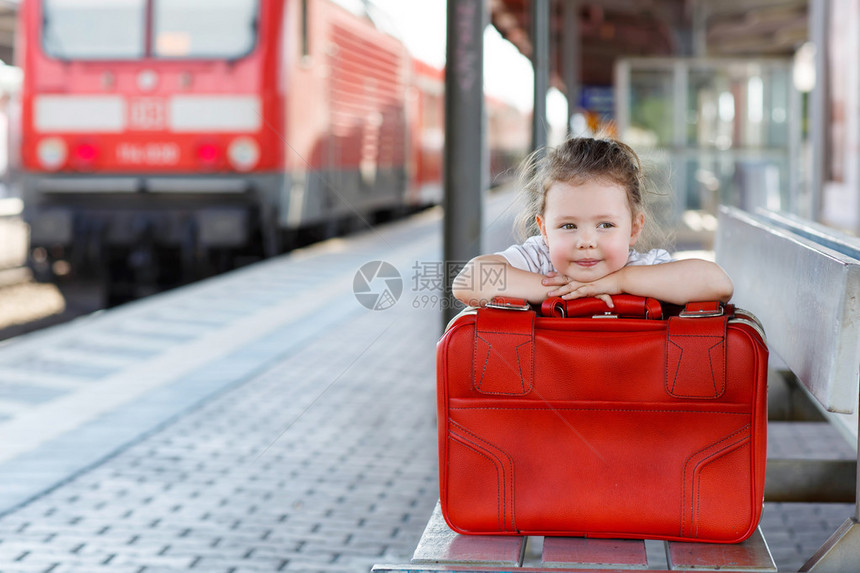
x=165 y=135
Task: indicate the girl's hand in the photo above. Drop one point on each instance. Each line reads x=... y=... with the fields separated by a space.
x=555 y=279
x=569 y=289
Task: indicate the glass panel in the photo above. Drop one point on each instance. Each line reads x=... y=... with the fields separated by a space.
x=746 y=181
x=651 y=122
x=740 y=129
x=778 y=106
x=93 y=29
x=711 y=107
x=204 y=28
x=738 y=106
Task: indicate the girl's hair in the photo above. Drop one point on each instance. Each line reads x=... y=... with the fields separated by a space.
x=575 y=161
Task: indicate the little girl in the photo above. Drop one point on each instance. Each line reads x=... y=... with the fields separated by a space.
x=585 y=199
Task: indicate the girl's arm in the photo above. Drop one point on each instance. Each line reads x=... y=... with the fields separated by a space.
x=677 y=282
x=487 y=276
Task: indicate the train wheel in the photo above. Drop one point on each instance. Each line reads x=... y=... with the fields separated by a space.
x=352 y=224
x=289 y=240
x=117 y=279
x=315 y=233
x=40 y=265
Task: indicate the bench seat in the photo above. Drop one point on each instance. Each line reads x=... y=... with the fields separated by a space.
x=803 y=281
x=441 y=549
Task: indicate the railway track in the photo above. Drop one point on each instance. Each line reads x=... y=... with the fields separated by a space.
x=27 y=305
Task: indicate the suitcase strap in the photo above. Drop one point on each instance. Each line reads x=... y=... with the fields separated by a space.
x=696 y=356
x=695 y=353
x=504 y=351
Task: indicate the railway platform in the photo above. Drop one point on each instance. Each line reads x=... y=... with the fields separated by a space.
x=263 y=420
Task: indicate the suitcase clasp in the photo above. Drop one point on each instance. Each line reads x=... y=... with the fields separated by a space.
x=702 y=310
x=508 y=303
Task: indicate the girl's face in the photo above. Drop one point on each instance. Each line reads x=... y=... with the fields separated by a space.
x=588 y=228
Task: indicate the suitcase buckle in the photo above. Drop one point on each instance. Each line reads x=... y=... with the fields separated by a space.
x=508 y=303
x=702 y=312
x=606 y=314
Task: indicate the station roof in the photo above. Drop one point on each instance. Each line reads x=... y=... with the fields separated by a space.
x=611 y=29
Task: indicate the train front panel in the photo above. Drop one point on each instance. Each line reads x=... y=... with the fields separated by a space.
x=151 y=124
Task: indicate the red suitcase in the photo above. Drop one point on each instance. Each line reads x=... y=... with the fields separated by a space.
x=580 y=422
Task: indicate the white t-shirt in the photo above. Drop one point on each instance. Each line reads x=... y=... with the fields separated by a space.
x=533 y=255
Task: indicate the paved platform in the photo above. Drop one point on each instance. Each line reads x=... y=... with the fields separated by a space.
x=261 y=421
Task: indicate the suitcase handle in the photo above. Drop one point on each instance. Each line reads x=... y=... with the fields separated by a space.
x=626 y=305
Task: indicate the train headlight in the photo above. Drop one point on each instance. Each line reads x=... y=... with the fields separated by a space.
x=86 y=153
x=243 y=153
x=208 y=153
x=52 y=153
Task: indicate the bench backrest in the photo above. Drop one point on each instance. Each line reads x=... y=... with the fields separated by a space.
x=803 y=282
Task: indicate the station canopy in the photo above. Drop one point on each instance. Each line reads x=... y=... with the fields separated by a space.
x=612 y=29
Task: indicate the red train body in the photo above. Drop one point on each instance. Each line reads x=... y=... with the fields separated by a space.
x=183 y=128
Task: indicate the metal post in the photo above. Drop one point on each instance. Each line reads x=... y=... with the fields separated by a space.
x=795 y=150
x=622 y=97
x=570 y=56
x=540 y=62
x=819 y=114
x=465 y=180
x=699 y=32
x=680 y=87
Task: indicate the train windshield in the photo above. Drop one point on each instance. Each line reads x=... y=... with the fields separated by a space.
x=132 y=29
x=93 y=29
x=203 y=28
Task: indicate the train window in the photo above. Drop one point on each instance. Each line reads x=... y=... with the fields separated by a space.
x=382 y=20
x=367 y=9
x=355 y=7
x=204 y=28
x=93 y=29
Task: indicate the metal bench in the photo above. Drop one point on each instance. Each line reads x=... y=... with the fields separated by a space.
x=440 y=549
x=798 y=278
x=803 y=281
